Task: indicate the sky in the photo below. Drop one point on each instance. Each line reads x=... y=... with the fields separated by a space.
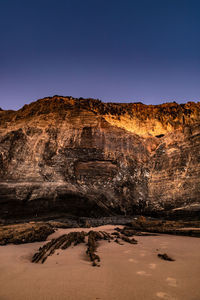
x=113 y=50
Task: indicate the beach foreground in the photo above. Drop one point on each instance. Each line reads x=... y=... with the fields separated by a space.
x=126 y=272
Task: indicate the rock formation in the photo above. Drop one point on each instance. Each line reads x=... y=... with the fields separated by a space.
x=25 y=233
x=84 y=157
x=75 y=238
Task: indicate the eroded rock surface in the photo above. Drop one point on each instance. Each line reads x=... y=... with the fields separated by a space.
x=88 y=158
x=75 y=238
x=25 y=233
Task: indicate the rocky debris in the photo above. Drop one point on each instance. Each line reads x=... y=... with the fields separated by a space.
x=63 y=242
x=93 y=238
x=86 y=158
x=38 y=231
x=95 y=222
x=165 y=257
x=63 y=225
x=75 y=238
x=128 y=240
x=117 y=241
x=187 y=228
x=115 y=233
x=87 y=224
x=68 y=221
x=25 y=233
x=129 y=231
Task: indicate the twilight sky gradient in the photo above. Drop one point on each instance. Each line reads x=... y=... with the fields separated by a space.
x=114 y=50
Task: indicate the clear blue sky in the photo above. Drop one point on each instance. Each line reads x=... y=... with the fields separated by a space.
x=130 y=50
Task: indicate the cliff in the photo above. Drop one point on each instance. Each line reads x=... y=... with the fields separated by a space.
x=89 y=158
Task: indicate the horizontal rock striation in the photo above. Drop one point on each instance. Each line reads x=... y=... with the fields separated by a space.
x=87 y=158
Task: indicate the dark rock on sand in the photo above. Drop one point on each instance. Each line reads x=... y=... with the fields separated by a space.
x=63 y=242
x=24 y=233
x=142 y=224
x=165 y=257
x=75 y=238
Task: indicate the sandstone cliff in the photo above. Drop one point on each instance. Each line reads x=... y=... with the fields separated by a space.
x=88 y=158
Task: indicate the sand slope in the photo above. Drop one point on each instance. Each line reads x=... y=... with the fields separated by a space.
x=128 y=272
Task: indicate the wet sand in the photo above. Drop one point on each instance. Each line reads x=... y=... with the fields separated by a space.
x=127 y=272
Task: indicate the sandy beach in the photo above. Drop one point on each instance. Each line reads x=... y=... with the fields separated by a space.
x=128 y=272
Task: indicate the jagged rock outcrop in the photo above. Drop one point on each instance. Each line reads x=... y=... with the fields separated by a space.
x=88 y=158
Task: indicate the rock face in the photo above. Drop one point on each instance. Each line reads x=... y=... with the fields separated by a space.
x=88 y=158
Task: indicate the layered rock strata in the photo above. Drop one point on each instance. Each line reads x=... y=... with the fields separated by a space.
x=84 y=157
